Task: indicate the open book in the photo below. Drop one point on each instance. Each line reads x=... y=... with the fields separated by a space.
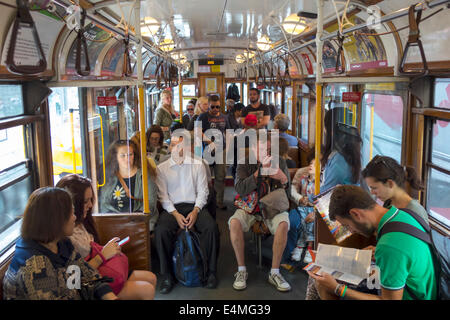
x=344 y=264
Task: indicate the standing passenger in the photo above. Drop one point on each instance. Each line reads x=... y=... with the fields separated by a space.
x=165 y=113
x=187 y=117
x=201 y=106
x=257 y=108
x=234 y=117
x=183 y=193
x=213 y=119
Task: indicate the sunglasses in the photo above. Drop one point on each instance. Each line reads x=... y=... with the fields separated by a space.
x=215 y=107
x=379 y=159
x=190 y=109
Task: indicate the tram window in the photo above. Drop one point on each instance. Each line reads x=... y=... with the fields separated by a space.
x=11 y=101
x=188 y=94
x=385 y=136
x=65 y=132
x=333 y=93
x=245 y=101
x=442 y=93
x=303 y=113
x=438 y=203
x=16 y=183
x=176 y=98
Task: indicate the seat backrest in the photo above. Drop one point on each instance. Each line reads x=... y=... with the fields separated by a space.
x=3 y=268
x=293 y=153
x=135 y=225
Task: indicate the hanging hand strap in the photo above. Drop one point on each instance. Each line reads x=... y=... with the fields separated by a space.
x=340 y=55
x=81 y=42
x=126 y=69
x=24 y=19
x=414 y=40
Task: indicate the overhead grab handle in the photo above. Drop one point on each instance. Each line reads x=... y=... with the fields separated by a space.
x=340 y=55
x=25 y=21
x=81 y=42
x=414 y=40
x=127 y=70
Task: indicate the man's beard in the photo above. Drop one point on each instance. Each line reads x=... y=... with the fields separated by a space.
x=364 y=230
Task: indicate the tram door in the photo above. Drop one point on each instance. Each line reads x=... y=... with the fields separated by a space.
x=111 y=115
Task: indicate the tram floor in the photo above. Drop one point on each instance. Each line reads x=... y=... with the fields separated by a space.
x=258 y=287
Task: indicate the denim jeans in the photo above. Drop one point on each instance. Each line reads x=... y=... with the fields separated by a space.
x=292 y=236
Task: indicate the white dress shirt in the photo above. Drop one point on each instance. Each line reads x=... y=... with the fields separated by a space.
x=182 y=183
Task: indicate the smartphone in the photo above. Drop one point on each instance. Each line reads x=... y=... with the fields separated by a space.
x=124 y=241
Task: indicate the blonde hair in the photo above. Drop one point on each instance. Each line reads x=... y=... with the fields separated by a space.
x=169 y=107
x=200 y=100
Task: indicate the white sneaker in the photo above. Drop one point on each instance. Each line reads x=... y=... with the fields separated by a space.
x=240 y=283
x=307 y=258
x=278 y=281
x=296 y=254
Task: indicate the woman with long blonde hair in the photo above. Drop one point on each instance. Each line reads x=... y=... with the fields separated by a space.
x=201 y=106
x=165 y=114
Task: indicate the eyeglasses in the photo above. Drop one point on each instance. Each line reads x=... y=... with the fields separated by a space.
x=190 y=109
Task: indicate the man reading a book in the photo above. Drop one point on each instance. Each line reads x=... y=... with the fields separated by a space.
x=405 y=262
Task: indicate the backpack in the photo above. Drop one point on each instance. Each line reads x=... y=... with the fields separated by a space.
x=440 y=247
x=233 y=93
x=189 y=260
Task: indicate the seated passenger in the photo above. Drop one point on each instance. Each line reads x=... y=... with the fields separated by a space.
x=282 y=123
x=241 y=221
x=302 y=191
x=234 y=117
x=386 y=180
x=183 y=193
x=157 y=149
x=39 y=268
x=405 y=263
x=284 y=152
x=140 y=284
x=123 y=189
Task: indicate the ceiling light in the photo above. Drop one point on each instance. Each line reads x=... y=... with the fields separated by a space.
x=150 y=26
x=264 y=43
x=167 y=45
x=178 y=56
x=240 y=58
x=293 y=24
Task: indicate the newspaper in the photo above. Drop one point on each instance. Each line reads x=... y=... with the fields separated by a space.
x=344 y=264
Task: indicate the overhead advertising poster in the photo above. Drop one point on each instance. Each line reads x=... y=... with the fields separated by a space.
x=362 y=51
x=329 y=58
x=26 y=53
x=94 y=40
x=293 y=69
x=112 y=58
x=307 y=62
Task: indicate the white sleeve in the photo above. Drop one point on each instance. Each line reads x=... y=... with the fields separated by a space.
x=163 y=194
x=201 y=186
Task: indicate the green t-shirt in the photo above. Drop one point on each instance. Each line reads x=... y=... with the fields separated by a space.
x=404 y=259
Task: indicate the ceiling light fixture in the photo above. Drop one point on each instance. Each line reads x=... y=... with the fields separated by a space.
x=167 y=45
x=264 y=43
x=293 y=24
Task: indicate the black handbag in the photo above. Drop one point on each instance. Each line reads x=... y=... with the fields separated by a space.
x=87 y=288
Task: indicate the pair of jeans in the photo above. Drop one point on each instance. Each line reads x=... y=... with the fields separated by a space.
x=292 y=236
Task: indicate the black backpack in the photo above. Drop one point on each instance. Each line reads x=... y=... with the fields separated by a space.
x=189 y=260
x=233 y=93
x=440 y=247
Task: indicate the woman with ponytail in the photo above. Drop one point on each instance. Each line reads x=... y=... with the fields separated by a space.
x=386 y=180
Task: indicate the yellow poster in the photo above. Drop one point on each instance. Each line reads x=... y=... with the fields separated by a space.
x=215 y=68
x=211 y=85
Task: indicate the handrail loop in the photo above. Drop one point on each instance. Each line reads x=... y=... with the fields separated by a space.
x=81 y=42
x=24 y=19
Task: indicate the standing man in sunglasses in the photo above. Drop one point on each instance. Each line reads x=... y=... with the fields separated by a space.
x=214 y=119
x=187 y=117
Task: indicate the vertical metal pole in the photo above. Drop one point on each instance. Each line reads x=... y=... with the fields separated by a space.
x=140 y=75
x=318 y=140
x=74 y=156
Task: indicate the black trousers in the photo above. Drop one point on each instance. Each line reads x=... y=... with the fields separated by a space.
x=166 y=234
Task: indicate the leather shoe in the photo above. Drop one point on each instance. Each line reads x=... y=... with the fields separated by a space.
x=166 y=285
x=211 y=283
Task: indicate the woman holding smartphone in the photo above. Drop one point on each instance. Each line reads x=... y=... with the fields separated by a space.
x=140 y=284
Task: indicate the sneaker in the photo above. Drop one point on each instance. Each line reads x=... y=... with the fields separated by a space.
x=296 y=254
x=278 y=281
x=307 y=259
x=240 y=283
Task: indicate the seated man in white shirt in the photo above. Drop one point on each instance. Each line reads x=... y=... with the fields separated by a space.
x=183 y=193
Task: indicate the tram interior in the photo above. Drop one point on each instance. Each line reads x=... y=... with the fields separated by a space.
x=98 y=69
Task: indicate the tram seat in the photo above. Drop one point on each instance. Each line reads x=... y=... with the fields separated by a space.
x=294 y=154
x=135 y=225
x=3 y=268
